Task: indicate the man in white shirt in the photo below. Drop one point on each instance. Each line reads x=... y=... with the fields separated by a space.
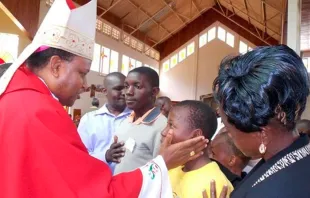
x=97 y=128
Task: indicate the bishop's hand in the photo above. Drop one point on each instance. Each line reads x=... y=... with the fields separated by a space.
x=116 y=151
x=178 y=154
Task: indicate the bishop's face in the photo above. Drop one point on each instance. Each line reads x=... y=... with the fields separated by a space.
x=69 y=78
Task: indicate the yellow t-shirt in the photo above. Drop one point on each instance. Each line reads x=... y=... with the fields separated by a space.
x=192 y=184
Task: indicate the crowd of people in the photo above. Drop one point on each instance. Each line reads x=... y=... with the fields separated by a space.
x=140 y=145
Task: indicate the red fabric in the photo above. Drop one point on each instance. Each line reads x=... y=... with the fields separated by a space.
x=1 y=61
x=42 y=154
x=70 y=4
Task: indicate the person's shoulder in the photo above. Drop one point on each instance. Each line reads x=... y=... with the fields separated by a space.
x=213 y=169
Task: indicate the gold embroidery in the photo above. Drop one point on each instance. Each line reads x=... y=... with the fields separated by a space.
x=66 y=39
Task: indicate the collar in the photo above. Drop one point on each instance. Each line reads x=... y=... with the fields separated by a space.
x=148 y=118
x=230 y=176
x=24 y=79
x=48 y=89
x=104 y=110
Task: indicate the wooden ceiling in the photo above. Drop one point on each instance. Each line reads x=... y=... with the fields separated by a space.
x=154 y=21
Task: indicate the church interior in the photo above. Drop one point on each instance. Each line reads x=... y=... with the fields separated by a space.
x=181 y=93
x=183 y=40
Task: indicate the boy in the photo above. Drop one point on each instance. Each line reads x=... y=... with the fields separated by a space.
x=189 y=119
x=141 y=131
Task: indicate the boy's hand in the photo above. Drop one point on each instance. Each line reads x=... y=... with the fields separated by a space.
x=116 y=151
x=213 y=191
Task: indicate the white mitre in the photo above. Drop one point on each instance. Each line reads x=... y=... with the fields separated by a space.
x=69 y=29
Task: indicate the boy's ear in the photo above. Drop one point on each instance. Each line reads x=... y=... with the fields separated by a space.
x=232 y=160
x=155 y=91
x=197 y=133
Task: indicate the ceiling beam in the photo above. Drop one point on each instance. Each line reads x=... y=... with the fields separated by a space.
x=116 y=21
x=109 y=8
x=253 y=19
x=149 y=16
x=174 y=12
x=264 y=15
x=235 y=23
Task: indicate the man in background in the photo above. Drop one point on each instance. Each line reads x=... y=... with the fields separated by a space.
x=164 y=103
x=303 y=126
x=230 y=159
x=97 y=128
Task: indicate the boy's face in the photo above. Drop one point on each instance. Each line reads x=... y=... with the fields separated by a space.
x=138 y=91
x=178 y=122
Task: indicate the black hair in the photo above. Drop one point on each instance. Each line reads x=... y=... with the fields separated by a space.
x=40 y=59
x=150 y=73
x=230 y=143
x=200 y=116
x=95 y=102
x=4 y=67
x=164 y=99
x=252 y=86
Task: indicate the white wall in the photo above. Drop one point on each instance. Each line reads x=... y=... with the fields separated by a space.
x=194 y=76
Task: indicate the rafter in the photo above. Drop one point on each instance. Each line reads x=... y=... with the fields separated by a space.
x=108 y=9
x=174 y=12
x=256 y=35
x=253 y=19
x=149 y=18
x=264 y=15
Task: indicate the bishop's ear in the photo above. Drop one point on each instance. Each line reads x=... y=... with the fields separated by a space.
x=56 y=66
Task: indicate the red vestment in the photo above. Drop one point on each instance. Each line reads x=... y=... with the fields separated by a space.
x=42 y=155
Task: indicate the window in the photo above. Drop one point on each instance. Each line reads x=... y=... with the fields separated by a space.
x=152 y=54
x=139 y=46
x=98 y=24
x=157 y=56
x=106 y=29
x=8 y=47
x=96 y=58
x=202 y=40
x=174 y=60
x=115 y=34
x=221 y=34
x=191 y=49
x=114 y=61
x=138 y=64
x=133 y=43
x=126 y=39
x=306 y=62
x=211 y=34
x=243 y=48
x=182 y=55
x=147 y=50
x=125 y=65
x=230 y=39
x=105 y=57
x=166 y=66
x=250 y=49
x=146 y=65
x=132 y=64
